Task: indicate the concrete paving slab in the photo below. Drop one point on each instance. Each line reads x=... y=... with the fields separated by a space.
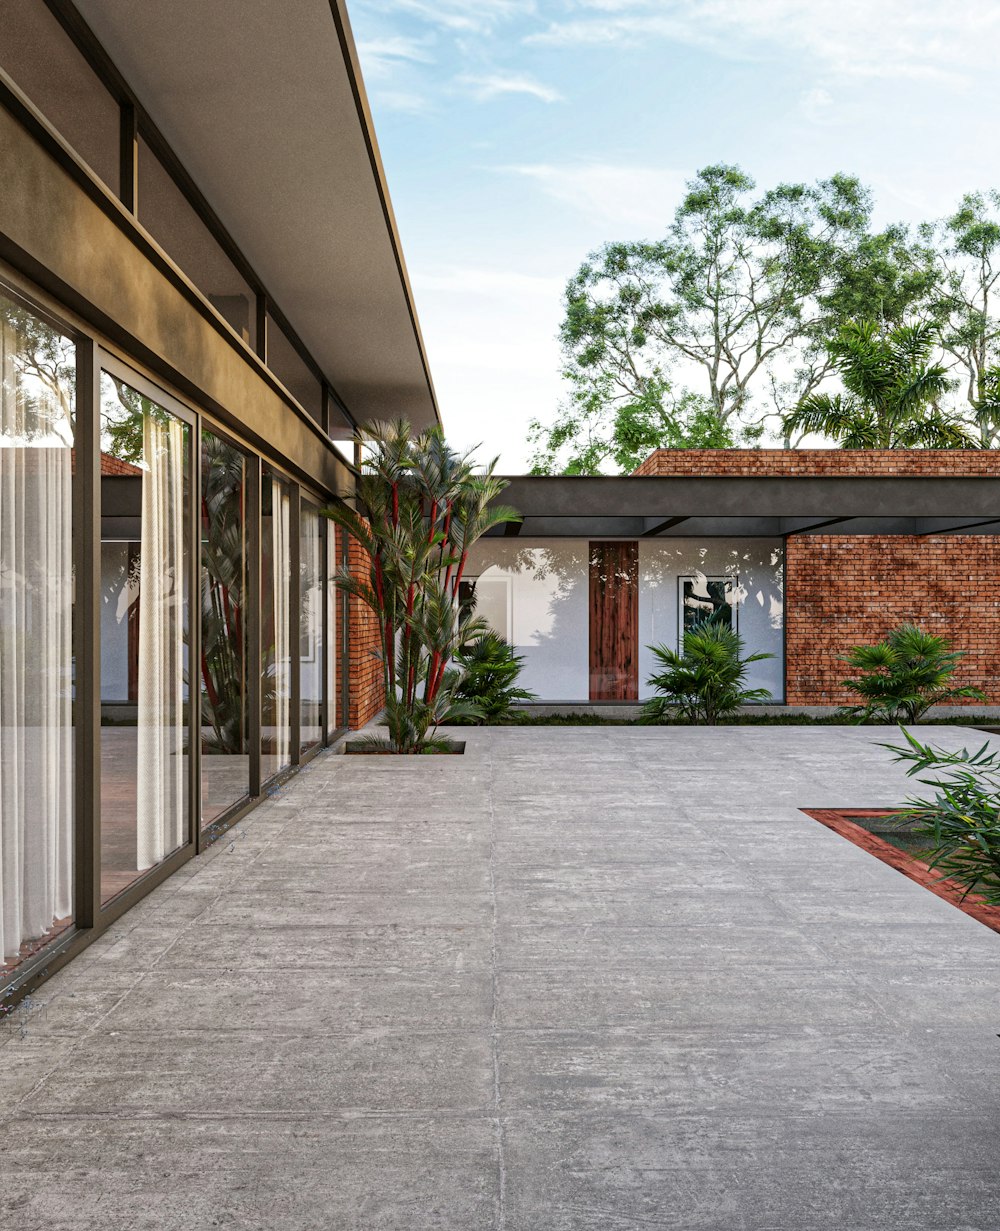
x=580 y=979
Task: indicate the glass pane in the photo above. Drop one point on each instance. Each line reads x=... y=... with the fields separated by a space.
x=334 y=716
x=225 y=713
x=290 y=368
x=37 y=411
x=311 y=625
x=168 y=216
x=276 y=657
x=41 y=58
x=144 y=621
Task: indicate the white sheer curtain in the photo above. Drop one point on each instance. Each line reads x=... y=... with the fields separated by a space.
x=36 y=595
x=160 y=803
x=281 y=545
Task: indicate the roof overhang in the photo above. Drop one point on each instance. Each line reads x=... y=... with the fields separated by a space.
x=646 y=507
x=264 y=105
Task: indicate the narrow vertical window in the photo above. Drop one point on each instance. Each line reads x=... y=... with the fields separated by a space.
x=311 y=625
x=144 y=621
x=276 y=656
x=37 y=423
x=222 y=672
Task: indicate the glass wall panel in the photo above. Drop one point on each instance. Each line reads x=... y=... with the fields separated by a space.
x=741 y=581
x=334 y=605
x=537 y=594
x=275 y=622
x=42 y=59
x=311 y=579
x=144 y=621
x=37 y=413
x=168 y=216
x=225 y=711
x=290 y=368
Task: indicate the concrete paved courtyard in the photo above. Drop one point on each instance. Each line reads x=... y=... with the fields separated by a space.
x=581 y=978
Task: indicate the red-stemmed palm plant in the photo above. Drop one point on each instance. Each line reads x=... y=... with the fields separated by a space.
x=421 y=507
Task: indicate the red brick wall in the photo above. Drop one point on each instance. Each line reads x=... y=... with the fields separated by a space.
x=365 y=671
x=928 y=463
x=847 y=590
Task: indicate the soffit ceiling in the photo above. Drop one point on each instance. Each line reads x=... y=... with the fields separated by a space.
x=257 y=98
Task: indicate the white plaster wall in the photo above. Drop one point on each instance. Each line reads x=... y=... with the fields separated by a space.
x=758 y=566
x=549 y=609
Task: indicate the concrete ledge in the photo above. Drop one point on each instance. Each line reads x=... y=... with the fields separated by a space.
x=618 y=711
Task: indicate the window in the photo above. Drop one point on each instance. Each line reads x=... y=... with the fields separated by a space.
x=707 y=598
x=275 y=623
x=335 y=716
x=293 y=372
x=169 y=217
x=491 y=597
x=224 y=683
x=311 y=578
x=37 y=426
x=145 y=510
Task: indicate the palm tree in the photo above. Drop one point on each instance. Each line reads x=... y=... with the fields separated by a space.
x=891 y=396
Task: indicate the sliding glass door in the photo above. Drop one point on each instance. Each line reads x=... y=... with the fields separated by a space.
x=145 y=584
x=276 y=624
x=223 y=670
x=311 y=647
x=37 y=436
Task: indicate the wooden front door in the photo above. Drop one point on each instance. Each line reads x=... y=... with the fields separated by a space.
x=614 y=621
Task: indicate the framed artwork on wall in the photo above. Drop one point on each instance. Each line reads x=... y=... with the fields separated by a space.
x=702 y=598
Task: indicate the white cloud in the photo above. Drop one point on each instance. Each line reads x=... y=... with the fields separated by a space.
x=492 y=338
x=852 y=38
x=817 y=105
x=461 y=16
x=380 y=54
x=639 y=198
x=496 y=85
x=407 y=102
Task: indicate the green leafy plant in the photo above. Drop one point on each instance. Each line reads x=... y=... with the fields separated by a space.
x=892 y=392
x=705 y=683
x=962 y=821
x=223 y=599
x=903 y=676
x=489 y=678
x=421 y=508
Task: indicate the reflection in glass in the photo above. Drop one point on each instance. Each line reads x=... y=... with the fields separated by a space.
x=37 y=409
x=276 y=658
x=144 y=508
x=225 y=713
x=334 y=717
x=311 y=625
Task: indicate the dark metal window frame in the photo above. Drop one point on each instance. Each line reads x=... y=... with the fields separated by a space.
x=135 y=123
x=91 y=917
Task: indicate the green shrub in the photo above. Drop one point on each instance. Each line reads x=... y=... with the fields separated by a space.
x=962 y=821
x=903 y=676
x=490 y=669
x=706 y=682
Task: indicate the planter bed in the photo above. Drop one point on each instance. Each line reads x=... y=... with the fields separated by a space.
x=852 y=824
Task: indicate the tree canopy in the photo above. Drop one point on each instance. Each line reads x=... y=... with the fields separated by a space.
x=718 y=333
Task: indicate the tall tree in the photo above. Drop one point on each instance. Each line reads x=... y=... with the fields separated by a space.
x=599 y=426
x=892 y=392
x=960 y=257
x=739 y=289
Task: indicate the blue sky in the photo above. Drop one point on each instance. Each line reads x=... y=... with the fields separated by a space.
x=519 y=135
